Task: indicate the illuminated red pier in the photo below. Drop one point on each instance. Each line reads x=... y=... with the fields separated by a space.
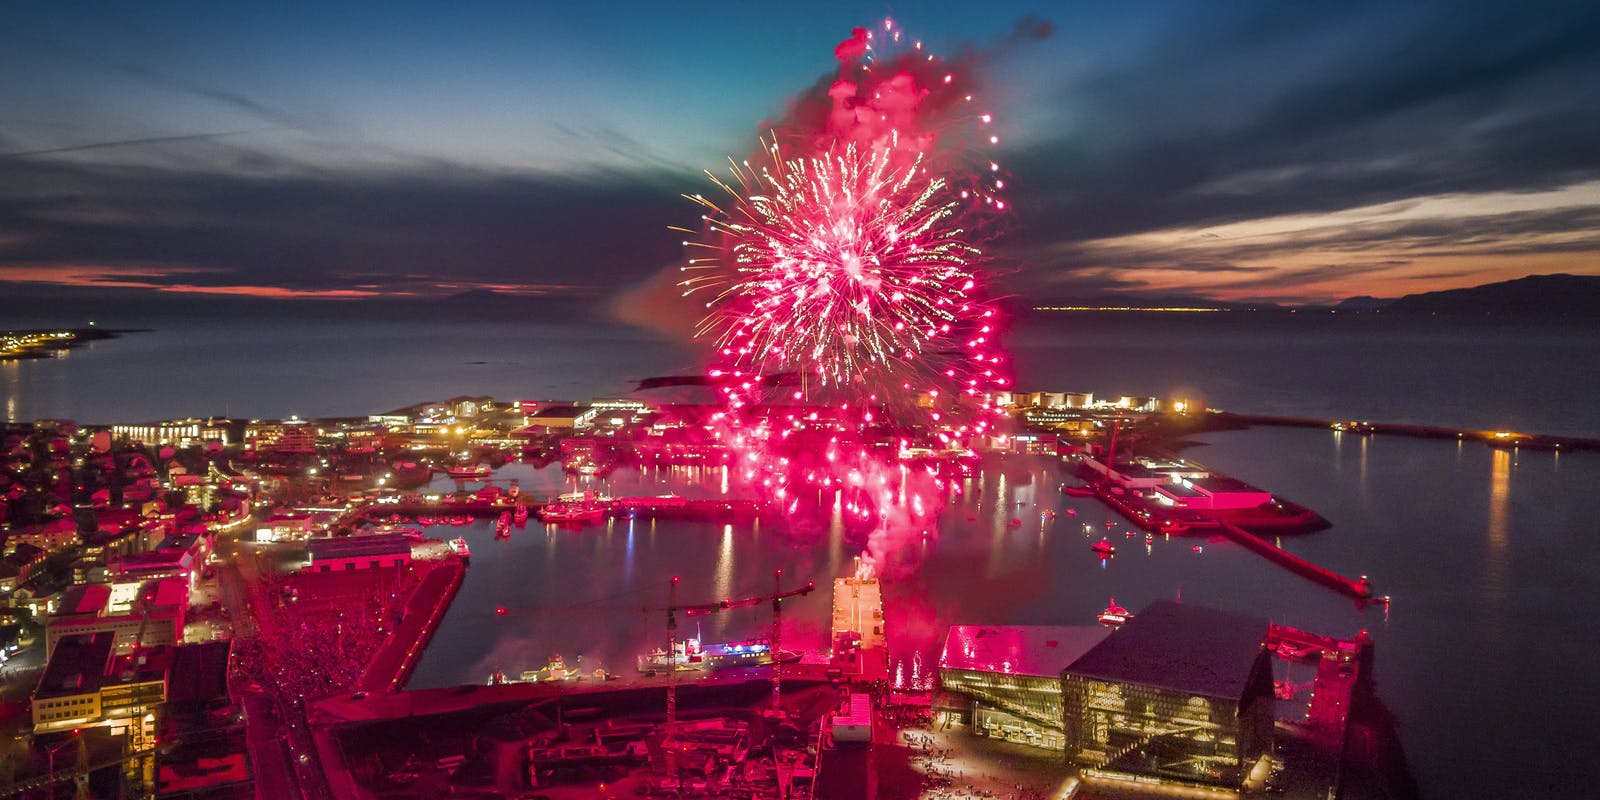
x=1339 y=663
x=1360 y=589
x=626 y=507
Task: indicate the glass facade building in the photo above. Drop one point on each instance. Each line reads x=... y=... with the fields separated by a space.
x=1012 y=675
x=1181 y=694
x=1133 y=729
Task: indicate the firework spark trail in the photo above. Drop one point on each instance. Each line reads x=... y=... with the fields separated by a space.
x=844 y=267
x=854 y=263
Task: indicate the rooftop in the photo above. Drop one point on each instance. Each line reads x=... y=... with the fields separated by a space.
x=1179 y=490
x=1223 y=483
x=1037 y=650
x=199 y=672
x=77 y=665
x=1183 y=648
x=358 y=546
x=172 y=558
x=87 y=598
x=556 y=412
x=178 y=541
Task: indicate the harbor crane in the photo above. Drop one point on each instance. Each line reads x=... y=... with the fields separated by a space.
x=777 y=597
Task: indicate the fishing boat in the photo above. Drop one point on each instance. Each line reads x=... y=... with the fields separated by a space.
x=575 y=507
x=1114 y=614
x=556 y=670
x=1076 y=491
x=685 y=656
x=464 y=472
x=520 y=515
x=691 y=655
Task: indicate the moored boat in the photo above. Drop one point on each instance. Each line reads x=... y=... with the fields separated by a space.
x=690 y=655
x=1114 y=614
x=575 y=507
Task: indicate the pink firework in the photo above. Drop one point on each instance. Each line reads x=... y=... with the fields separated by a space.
x=849 y=267
x=846 y=256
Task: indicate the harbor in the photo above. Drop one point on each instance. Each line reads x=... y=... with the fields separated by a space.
x=519 y=616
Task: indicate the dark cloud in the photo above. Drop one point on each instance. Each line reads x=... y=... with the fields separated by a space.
x=1294 y=278
x=250 y=106
x=147 y=140
x=317 y=230
x=1226 y=115
x=1231 y=122
x=1031 y=29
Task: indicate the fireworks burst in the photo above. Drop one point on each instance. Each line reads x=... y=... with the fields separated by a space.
x=848 y=267
x=845 y=253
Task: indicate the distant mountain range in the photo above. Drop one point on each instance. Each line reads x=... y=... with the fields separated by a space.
x=1559 y=295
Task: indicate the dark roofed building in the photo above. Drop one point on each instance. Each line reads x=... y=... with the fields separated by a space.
x=556 y=417
x=1184 y=648
x=342 y=553
x=1181 y=693
x=200 y=673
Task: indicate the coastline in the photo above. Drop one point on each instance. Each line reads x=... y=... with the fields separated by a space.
x=46 y=343
x=1173 y=429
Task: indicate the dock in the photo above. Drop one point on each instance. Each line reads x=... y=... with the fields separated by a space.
x=1359 y=589
x=717 y=510
x=1341 y=665
x=392 y=665
x=1496 y=438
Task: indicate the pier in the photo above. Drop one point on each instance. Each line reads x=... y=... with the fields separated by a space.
x=1359 y=589
x=1340 y=665
x=1531 y=441
x=626 y=507
x=392 y=665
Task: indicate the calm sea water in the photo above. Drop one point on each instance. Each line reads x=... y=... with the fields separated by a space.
x=1444 y=372
x=1484 y=657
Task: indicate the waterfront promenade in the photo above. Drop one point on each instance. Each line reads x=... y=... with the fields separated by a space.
x=423 y=609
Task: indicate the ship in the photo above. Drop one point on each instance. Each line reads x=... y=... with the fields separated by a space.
x=575 y=507
x=410 y=473
x=556 y=670
x=459 y=547
x=860 y=642
x=690 y=655
x=463 y=472
x=1114 y=614
x=685 y=656
x=1104 y=547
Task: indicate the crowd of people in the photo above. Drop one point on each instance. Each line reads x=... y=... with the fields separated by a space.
x=316 y=633
x=944 y=780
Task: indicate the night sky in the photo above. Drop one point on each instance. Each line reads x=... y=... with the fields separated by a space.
x=1274 y=151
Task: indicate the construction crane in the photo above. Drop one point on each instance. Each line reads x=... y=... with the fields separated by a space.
x=673 y=608
x=700 y=609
